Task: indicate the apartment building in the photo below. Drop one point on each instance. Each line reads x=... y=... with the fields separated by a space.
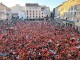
x=68 y=11
x=5 y=12
x=19 y=11
x=35 y=11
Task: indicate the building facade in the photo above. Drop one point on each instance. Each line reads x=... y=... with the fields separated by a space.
x=35 y=11
x=19 y=11
x=68 y=11
x=5 y=12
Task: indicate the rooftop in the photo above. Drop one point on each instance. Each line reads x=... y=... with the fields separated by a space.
x=32 y=4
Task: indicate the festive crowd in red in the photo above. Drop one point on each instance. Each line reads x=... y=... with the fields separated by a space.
x=39 y=40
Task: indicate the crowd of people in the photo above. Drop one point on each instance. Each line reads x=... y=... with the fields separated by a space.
x=38 y=40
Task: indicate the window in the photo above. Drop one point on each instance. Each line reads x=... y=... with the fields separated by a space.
x=39 y=16
x=30 y=10
x=36 y=11
x=75 y=13
x=27 y=13
x=72 y=8
x=75 y=7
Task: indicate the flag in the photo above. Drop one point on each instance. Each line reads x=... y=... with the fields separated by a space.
x=1 y=35
x=6 y=40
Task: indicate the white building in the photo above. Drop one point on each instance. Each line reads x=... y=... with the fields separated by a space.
x=35 y=11
x=20 y=10
x=57 y=13
x=5 y=12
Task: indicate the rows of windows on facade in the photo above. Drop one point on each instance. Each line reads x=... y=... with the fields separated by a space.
x=33 y=14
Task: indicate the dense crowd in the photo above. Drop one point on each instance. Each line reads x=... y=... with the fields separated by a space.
x=39 y=40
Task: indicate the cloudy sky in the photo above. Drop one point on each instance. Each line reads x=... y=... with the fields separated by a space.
x=50 y=3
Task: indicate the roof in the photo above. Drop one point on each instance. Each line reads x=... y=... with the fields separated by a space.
x=32 y=4
x=4 y=6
